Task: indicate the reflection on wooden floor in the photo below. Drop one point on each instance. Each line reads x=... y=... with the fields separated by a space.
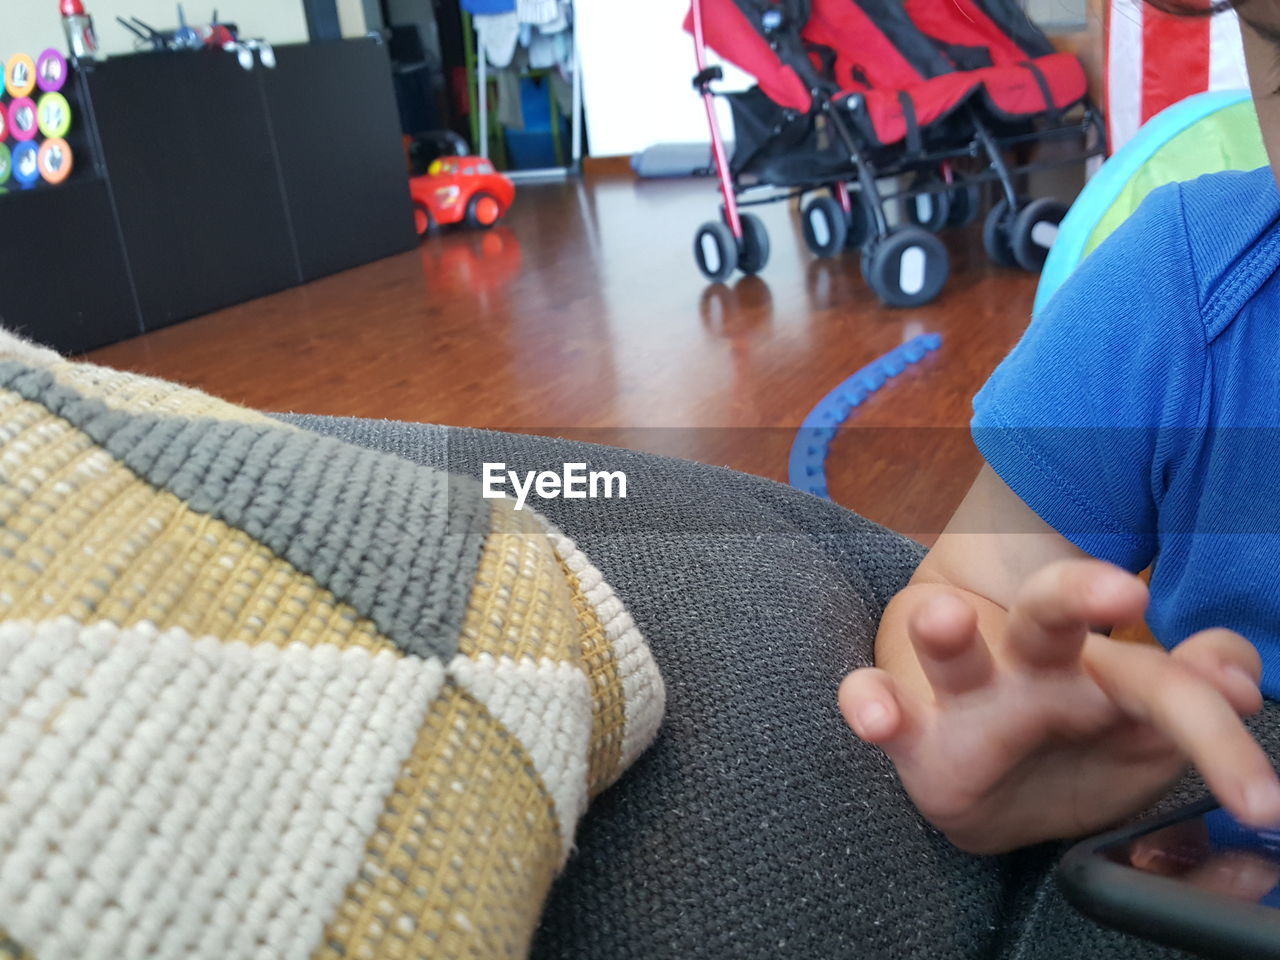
x=583 y=315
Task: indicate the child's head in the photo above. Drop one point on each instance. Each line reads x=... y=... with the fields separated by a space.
x=1260 y=29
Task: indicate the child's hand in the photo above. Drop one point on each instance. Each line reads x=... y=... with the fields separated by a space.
x=1051 y=730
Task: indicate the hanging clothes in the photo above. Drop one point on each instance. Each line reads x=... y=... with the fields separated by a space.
x=539 y=26
x=510 y=106
x=499 y=35
x=561 y=21
x=543 y=52
x=537 y=12
x=527 y=42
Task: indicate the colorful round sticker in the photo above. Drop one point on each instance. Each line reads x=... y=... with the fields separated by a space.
x=26 y=164
x=53 y=114
x=4 y=123
x=51 y=71
x=6 y=164
x=20 y=75
x=23 y=123
x=55 y=160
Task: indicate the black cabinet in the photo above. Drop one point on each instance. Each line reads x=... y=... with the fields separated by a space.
x=188 y=155
x=63 y=279
x=210 y=185
x=333 y=111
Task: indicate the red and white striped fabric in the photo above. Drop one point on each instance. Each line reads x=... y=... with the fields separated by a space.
x=1154 y=59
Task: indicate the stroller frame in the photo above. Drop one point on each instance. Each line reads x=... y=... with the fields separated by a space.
x=744 y=234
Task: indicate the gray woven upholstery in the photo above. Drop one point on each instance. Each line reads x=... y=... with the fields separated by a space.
x=757 y=826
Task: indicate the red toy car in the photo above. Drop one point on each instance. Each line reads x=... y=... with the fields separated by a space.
x=460 y=188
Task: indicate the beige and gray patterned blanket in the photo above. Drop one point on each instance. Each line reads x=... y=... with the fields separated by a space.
x=266 y=694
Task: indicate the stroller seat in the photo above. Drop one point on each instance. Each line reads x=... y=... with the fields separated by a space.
x=997 y=37
x=1009 y=94
x=980 y=33
x=873 y=48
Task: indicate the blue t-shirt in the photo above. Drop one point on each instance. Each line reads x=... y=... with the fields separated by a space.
x=1139 y=415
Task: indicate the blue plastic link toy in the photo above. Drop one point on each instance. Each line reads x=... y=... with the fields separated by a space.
x=808 y=460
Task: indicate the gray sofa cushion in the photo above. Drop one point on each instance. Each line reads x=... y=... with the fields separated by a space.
x=757 y=826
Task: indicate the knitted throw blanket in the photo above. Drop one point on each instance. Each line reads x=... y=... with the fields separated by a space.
x=267 y=694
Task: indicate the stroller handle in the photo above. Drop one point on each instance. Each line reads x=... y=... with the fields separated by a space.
x=702 y=83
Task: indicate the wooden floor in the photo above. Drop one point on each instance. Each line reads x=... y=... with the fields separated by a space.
x=583 y=315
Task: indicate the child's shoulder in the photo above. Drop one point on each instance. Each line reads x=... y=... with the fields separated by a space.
x=1251 y=194
x=1232 y=224
x=1198 y=250
x=1220 y=215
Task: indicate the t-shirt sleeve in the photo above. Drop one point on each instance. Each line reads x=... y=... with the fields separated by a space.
x=1088 y=414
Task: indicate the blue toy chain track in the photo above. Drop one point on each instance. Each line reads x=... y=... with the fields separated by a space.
x=808 y=461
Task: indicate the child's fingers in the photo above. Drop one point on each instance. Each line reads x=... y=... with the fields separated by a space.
x=1229 y=662
x=1052 y=614
x=954 y=657
x=1154 y=688
x=1239 y=874
x=1166 y=852
x=875 y=707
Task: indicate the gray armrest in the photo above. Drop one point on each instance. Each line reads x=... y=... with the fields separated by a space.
x=757 y=826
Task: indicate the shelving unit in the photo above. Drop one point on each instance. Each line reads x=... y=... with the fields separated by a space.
x=208 y=185
x=487 y=135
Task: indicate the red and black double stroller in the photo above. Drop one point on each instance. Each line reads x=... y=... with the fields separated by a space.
x=852 y=95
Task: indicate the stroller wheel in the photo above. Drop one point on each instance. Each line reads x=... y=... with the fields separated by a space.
x=907 y=268
x=753 y=250
x=1034 y=230
x=997 y=234
x=825 y=226
x=716 y=250
x=966 y=202
x=929 y=210
x=862 y=225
